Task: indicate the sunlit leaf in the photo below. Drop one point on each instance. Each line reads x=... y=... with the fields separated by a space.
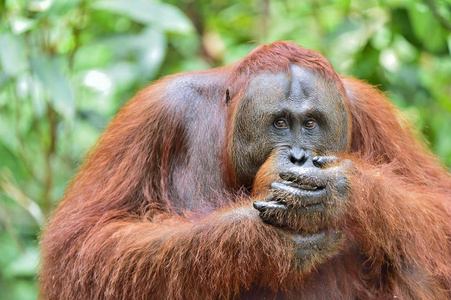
x=25 y=265
x=153 y=51
x=10 y=188
x=162 y=15
x=62 y=7
x=12 y=55
x=9 y=139
x=50 y=72
x=149 y=47
x=123 y=73
x=39 y=5
x=20 y=25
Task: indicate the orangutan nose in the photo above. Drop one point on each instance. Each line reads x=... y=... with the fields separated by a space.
x=298 y=156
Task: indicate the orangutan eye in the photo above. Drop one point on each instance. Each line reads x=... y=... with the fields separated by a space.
x=281 y=123
x=310 y=124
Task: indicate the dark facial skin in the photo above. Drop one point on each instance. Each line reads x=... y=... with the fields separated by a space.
x=298 y=112
x=290 y=123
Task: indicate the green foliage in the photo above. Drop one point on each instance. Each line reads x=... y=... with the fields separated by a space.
x=66 y=66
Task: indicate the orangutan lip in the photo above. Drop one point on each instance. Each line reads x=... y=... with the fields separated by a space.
x=303 y=186
x=310 y=197
x=296 y=189
x=308 y=187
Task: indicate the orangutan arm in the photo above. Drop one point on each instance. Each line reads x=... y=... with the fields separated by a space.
x=171 y=257
x=401 y=226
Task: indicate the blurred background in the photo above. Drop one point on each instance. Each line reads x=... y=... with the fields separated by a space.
x=67 y=66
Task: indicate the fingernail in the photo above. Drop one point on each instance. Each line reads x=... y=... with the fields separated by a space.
x=258 y=205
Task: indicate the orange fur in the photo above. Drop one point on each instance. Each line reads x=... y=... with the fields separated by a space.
x=154 y=214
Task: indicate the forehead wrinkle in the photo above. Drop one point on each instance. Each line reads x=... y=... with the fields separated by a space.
x=303 y=82
x=295 y=90
x=270 y=86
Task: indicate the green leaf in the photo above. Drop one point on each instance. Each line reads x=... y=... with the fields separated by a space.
x=63 y=7
x=25 y=265
x=12 y=55
x=152 y=54
x=50 y=72
x=165 y=16
x=427 y=28
x=149 y=47
x=8 y=136
x=20 y=24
